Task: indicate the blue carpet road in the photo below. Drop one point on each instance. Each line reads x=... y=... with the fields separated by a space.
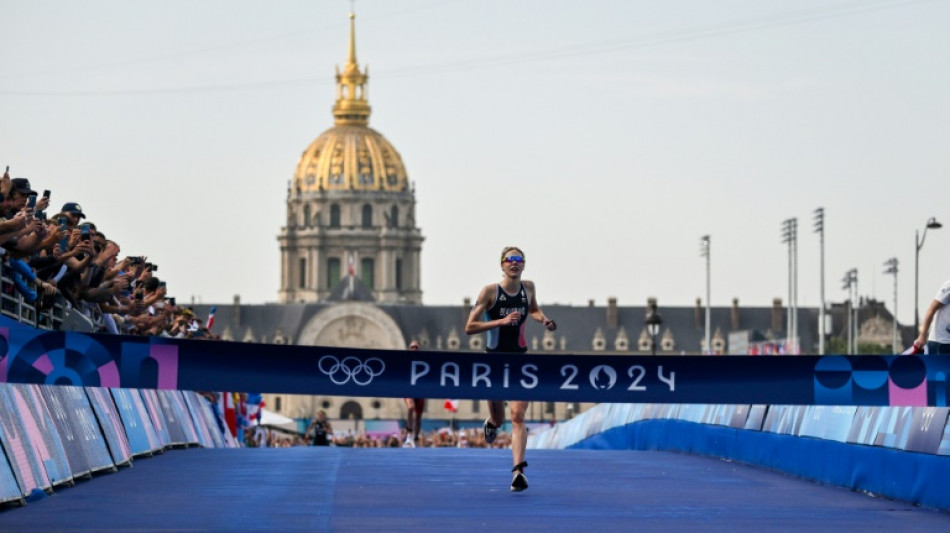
x=454 y=490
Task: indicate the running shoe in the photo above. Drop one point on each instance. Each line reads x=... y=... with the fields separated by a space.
x=409 y=443
x=490 y=431
x=519 y=483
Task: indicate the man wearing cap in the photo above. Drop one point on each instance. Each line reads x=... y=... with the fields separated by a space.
x=73 y=211
x=28 y=239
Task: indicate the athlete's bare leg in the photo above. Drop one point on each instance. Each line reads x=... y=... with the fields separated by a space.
x=496 y=412
x=519 y=433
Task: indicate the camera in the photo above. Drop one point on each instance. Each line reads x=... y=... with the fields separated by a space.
x=85 y=232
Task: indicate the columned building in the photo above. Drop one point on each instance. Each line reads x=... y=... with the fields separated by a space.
x=350 y=207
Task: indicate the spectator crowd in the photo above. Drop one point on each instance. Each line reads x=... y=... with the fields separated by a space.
x=262 y=436
x=64 y=258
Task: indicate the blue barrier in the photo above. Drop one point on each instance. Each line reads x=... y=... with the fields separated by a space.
x=896 y=452
x=911 y=477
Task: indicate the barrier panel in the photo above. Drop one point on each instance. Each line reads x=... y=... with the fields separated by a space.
x=173 y=418
x=200 y=420
x=42 y=432
x=78 y=429
x=156 y=416
x=136 y=421
x=9 y=489
x=176 y=401
x=25 y=463
x=110 y=423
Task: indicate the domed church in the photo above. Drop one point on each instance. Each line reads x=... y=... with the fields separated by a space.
x=350 y=207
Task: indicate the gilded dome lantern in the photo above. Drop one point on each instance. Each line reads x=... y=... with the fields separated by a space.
x=350 y=207
x=350 y=155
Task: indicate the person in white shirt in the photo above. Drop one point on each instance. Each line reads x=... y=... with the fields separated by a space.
x=935 y=330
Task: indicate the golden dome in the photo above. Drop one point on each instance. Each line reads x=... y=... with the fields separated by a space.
x=350 y=155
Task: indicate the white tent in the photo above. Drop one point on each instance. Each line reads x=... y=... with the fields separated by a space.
x=274 y=420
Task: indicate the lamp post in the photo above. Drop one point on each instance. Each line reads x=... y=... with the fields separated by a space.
x=790 y=236
x=704 y=252
x=918 y=244
x=850 y=284
x=891 y=265
x=820 y=230
x=653 y=321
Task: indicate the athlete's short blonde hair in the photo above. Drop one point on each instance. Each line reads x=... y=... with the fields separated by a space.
x=508 y=249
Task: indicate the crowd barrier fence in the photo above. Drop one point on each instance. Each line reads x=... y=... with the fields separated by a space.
x=902 y=453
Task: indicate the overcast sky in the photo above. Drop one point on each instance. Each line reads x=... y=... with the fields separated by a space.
x=604 y=137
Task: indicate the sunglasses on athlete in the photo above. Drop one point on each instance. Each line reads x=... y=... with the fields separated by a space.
x=513 y=259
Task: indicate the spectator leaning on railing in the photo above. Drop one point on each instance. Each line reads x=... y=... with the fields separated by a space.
x=66 y=258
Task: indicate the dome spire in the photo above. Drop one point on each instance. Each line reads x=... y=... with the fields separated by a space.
x=351 y=107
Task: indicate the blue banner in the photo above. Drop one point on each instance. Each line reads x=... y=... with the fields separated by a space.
x=67 y=358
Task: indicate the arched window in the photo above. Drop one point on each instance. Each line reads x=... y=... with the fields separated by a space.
x=335 y=216
x=351 y=410
x=394 y=217
x=367 y=216
x=303 y=273
x=306 y=216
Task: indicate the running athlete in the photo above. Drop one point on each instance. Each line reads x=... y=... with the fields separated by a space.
x=415 y=407
x=501 y=310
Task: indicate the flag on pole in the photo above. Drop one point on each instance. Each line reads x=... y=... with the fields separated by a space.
x=211 y=317
x=255 y=402
x=451 y=405
x=226 y=401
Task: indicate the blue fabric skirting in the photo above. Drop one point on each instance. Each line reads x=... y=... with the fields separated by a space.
x=916 y=478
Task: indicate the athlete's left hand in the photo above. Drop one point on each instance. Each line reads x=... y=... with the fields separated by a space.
x=549 y=324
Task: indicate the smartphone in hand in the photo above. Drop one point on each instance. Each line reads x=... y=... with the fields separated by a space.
x=85 y=232
x=64 y=242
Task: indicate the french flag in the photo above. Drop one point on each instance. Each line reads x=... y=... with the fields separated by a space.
x=255 y=402
x=211 y=317
x=451 y=405
x=226 y=403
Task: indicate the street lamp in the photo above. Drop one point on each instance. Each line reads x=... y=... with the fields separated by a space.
x=790 y=236
x=850 y=284
x=918 y=244
x=820 y=230
x=891 y=265
x=654 y=320
x=704 y=252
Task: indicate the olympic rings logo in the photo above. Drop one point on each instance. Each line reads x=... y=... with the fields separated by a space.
x=341 y=372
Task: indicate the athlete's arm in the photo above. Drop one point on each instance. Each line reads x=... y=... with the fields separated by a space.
x=534 y=311
x=486 y=298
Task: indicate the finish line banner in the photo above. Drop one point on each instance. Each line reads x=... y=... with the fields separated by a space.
x=29 y=355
